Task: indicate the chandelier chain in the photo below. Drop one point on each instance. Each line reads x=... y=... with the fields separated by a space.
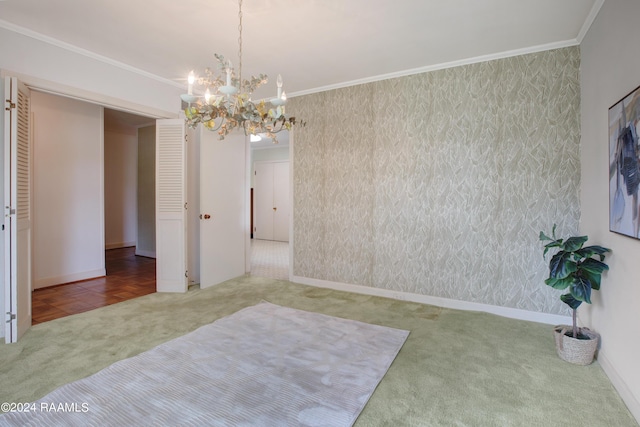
x=240 y=43
x=226 y=106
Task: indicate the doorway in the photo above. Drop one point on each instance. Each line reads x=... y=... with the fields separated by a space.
x=270 y=207
x=107 y=270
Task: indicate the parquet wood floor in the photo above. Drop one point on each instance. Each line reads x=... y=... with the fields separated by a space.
x=128 y=276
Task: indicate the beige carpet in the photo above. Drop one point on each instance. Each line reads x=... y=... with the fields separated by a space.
x=456 y=368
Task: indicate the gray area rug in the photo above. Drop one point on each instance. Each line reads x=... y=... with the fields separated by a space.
x=265 y=365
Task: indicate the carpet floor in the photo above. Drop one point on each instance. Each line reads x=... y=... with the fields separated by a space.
x=457 y=368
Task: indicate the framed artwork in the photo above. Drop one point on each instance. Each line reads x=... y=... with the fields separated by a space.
x=624 y=165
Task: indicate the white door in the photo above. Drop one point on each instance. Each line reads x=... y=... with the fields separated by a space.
x=17 y=202
x=263 y=201
x=171 y=220
x=223 y=207
x=271 y=201
x=281 y=201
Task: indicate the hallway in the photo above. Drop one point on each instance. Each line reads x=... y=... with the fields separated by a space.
x=128 y=276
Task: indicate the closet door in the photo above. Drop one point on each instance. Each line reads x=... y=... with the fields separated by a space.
x=17 y=199
x=281 y=201
x=271 y=201
x=171 y=220
x=263 y=201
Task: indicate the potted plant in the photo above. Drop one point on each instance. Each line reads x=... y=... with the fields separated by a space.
x=574 y=267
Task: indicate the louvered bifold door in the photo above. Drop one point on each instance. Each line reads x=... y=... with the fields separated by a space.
x=17 y=140
x=171 y=219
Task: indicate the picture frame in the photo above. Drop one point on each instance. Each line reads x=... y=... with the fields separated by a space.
x=624 y=165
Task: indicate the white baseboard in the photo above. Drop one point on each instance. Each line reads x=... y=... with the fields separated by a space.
x=58 y=280
x=620 y=385
x=148 y=254
x=513 y=313
x=119 y=245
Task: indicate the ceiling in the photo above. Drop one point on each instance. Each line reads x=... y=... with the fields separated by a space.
x=315 y=44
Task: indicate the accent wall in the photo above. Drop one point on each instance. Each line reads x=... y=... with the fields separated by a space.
x=439 y=183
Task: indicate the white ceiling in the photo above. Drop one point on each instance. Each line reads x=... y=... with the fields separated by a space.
x=315 y=44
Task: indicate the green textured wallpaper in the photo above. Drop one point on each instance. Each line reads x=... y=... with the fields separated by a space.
x=439 y=183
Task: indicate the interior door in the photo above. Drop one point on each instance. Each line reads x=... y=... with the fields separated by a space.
x=281 y=201
x=271 y=195
x=263 y=201
x=171 y=207
x=224 y=226
x=17 y=218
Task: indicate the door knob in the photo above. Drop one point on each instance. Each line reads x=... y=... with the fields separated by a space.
x=206 y=216
x=275 y=209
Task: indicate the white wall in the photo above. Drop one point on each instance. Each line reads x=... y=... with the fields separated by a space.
x=68 y=201
x=268 y=154
x=146 y=239
x=120 y=185
x=610 y=70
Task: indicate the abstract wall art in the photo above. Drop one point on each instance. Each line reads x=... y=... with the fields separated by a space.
x=624 y=165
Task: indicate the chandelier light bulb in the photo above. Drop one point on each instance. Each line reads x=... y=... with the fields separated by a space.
x=229 y=68
x=191 y=80
x=225 y=108
x=279 y=84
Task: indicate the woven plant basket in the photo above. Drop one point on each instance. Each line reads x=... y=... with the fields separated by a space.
x=573 y=350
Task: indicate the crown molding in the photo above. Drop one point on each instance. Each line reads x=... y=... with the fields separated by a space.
x=442 y=66
x=84 y=52
x=589 y=21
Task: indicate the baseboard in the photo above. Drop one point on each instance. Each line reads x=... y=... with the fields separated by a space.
x=620 y=385
x=148 y=254
x=513 y=313
x=119 y=245
x=58 y=280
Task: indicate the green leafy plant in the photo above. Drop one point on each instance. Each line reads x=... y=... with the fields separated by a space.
x=574 y=268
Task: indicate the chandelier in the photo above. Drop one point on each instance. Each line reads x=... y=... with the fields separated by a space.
x=227 y=105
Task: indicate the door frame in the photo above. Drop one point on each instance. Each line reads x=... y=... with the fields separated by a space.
x=45 y=86
x=291 y=200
